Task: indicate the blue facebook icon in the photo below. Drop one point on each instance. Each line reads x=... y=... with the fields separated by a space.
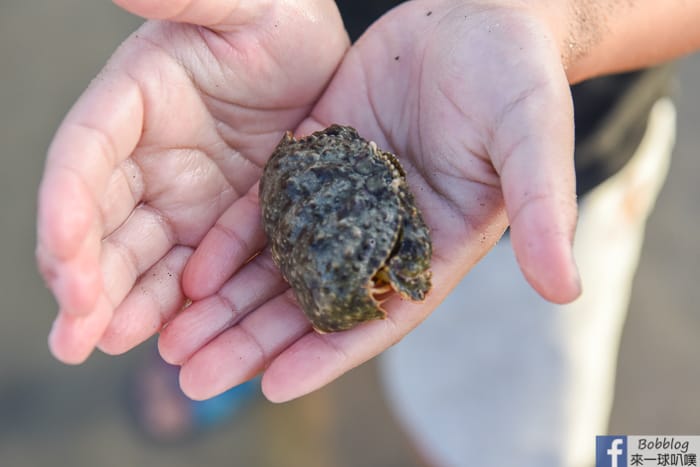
x=611 y=451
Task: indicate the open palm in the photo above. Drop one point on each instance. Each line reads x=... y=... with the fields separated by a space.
x=485 y=133
x=174 y=130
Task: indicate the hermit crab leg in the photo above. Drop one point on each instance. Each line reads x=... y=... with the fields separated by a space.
x=381 y=289
x=381 y=293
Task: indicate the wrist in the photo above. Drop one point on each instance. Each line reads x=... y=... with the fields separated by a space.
x=577 y=29
x=573 y=30
x=598 y=37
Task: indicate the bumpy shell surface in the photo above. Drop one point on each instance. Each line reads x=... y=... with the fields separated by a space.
x=343 y=227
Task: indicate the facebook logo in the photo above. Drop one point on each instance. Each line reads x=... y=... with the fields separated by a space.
x=611 y=451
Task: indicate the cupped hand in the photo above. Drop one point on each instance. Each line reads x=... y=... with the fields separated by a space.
x=474 y=99
x=173 y=131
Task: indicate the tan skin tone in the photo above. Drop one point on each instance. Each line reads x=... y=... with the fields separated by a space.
x=149 y=192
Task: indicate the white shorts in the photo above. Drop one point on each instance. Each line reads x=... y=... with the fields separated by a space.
x=497 y=376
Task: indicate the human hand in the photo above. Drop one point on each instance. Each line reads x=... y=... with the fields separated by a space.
x=173 y=131
x=474 y=99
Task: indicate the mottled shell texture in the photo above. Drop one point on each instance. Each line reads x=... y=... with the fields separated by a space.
x=343 y=227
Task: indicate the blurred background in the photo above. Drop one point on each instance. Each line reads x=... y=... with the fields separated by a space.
x=51 y=414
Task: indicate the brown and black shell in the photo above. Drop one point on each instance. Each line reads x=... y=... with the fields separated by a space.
x=343 y=225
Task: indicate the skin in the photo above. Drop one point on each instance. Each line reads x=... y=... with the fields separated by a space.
x=149 y=194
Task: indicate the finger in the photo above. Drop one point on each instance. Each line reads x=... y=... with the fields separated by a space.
x=73 y=338
x=124 y=192
x=255 y=284
x=125 y=255
x=535 y=163
x=75 y=282
x=132 y=249
x=152 y=302
x=99 y=132
x=242 y=351
x=216 y=14
x=233 y=240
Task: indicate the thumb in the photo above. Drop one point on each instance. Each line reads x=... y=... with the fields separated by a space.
x=220 y=15
x=535 y=163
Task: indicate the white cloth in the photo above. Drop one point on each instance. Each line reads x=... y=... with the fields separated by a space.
x=497 y=376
